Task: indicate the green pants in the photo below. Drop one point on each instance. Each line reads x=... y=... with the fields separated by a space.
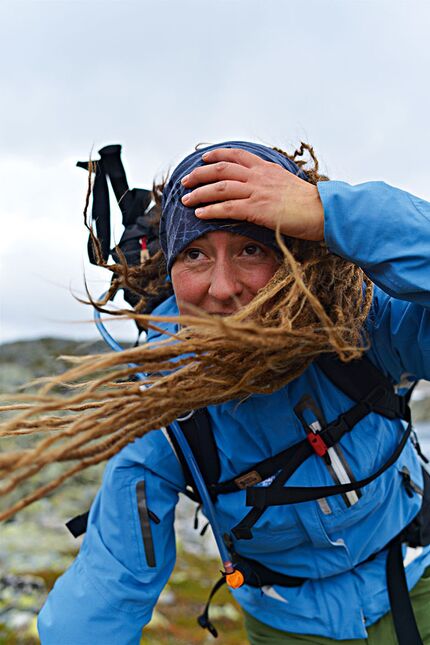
x=381 y=633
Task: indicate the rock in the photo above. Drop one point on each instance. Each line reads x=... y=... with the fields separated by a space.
x=19 y=620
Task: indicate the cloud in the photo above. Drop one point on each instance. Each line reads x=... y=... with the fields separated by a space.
x=161 y=77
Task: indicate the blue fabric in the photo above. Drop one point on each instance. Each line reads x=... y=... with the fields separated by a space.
x=179 y=226
x=108 y=595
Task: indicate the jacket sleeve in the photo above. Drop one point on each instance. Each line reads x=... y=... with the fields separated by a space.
x=128 y=553
x=386 y=231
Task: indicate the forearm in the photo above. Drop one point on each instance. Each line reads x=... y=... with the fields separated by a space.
x=126 y=558
x=79 y=612
x=384 y=230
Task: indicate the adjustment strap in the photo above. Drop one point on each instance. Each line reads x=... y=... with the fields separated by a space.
x=345 y=422
x=277 y=495
x=261 y=471
x=303 y=450
x=379 y=398
x=203 y=619
x=242 y=531
x=359 y=378
x=257 y=575
x=401 y=607
x=78 y=525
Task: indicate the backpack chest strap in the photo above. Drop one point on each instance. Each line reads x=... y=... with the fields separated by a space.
x=276 y=494
x=380 y=400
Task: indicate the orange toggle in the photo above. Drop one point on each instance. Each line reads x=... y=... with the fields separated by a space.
x=235 y=579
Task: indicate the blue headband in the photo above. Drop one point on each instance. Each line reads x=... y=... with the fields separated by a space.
x=179 y=226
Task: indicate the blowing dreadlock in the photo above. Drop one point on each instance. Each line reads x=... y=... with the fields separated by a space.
x=315 y=303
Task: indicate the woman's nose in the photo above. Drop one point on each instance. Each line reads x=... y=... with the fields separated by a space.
x=224 y=281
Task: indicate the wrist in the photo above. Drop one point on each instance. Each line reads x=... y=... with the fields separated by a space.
x=315 y=211
x=304 y=214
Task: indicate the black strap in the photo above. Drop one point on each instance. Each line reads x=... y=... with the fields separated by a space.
x=100 y=212
x=203 y=619
x=296 y=455
x=357 y=379
x=401 y=607
x=198 y=433
x=374 y=393
x=278 y=495
x=264 y=469
x=377 y=399
x=242 y=530
x=257 y=575
x=78 y=525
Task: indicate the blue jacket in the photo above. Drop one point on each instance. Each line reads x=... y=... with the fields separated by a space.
x=109 y=592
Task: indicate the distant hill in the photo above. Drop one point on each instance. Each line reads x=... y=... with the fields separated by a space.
x=22 y=361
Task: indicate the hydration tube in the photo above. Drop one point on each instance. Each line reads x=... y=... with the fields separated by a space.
x=110 y=340
x=208 y=507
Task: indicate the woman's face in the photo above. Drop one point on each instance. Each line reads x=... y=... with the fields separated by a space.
x=221 y=272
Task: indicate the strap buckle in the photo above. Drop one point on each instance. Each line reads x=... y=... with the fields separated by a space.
x=317 y=443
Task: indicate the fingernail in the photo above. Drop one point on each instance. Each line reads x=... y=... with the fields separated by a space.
x=205 y=155
x=199 y=211
x=186 y=198
x=184 y=179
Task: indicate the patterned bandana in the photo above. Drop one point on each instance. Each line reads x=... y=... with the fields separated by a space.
x=179 y=226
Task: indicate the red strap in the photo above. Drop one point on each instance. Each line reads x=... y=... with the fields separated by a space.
x=317 y=443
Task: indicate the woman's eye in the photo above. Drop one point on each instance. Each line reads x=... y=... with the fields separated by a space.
x=193 y=254
x=252 y=249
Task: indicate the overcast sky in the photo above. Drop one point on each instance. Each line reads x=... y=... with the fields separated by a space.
x=351 y=77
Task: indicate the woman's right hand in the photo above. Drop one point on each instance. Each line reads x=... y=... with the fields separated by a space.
x=237 y=184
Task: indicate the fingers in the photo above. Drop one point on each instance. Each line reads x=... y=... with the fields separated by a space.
x=233 y=209
x=234 y=155
x=217 y=192
x=224 y=185
x=215 y=172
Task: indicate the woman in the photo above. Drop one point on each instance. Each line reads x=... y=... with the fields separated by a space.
x=291 y=260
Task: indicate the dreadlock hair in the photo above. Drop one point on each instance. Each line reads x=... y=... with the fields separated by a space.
x=315 y=303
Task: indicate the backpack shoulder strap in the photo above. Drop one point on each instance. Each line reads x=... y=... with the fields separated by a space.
x=198 y=432
x=358 y=379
